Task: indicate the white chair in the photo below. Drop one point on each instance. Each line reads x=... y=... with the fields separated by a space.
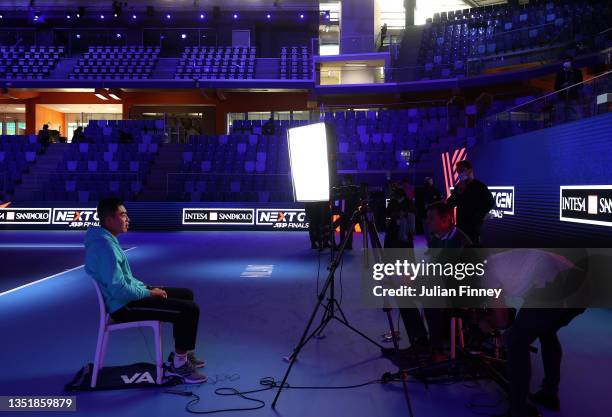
x=107 y=326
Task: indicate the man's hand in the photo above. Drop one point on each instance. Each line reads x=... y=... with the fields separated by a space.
x=158 y=292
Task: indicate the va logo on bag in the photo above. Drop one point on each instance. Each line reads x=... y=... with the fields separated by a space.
x=138 y=378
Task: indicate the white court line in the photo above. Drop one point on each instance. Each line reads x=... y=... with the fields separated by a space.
x=49 y=277
x=37 y=246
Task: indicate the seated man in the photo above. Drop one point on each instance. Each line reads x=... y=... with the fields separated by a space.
x=128 y=299
x=448 y=238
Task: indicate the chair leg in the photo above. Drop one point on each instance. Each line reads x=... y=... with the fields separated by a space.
x=461 y=339
x=104 y=346
x=158 y=352
x=453 y=337
x=96 y=364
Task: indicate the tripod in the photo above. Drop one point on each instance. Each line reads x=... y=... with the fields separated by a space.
x=364 y=217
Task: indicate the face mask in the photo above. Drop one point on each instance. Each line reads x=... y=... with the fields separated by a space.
x=567 y=65
x=463 y=177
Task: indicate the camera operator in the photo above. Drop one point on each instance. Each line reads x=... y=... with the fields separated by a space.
x=545 y=281
x=446 y=236
x=473 y=201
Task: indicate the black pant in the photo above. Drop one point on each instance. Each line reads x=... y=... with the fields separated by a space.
x=473 y=231
x=531 y=324
x=438 y=323
x=178 y=309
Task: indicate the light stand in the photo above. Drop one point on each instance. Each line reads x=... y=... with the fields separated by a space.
x=364 y=217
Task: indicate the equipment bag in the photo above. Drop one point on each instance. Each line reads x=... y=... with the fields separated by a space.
x=137 y=375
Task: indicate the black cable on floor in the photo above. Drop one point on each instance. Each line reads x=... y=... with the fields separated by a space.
x=473 y=404
x=318 y=271
x=268 y=383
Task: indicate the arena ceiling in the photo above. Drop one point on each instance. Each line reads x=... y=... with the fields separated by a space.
x=139 y=5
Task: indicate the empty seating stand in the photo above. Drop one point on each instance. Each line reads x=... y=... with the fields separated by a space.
x=455 y=43
x=295 y=63
x=28 y=62
x=17 y=154
x=209 y=62
x=116 y=63
x=236 y=167
x=373 y=141
x=103 y=164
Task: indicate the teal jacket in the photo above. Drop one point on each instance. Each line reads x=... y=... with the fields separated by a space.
x=106 y=262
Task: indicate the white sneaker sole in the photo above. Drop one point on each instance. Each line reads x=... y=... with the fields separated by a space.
x=188 y=380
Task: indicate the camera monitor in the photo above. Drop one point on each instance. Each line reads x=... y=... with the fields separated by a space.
x=311 y=157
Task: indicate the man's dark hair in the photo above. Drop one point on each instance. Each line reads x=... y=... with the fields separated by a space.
x=465 y=164
x=440 y=207
x=567 y=58
x=108 y=207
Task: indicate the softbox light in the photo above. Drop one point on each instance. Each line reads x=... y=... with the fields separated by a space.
x=311 y=155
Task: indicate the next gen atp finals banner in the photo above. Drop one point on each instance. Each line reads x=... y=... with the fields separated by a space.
x=552 y=187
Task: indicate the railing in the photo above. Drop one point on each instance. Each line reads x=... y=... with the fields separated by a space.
x=41 y=179
x=176 y=178
x=568 y=104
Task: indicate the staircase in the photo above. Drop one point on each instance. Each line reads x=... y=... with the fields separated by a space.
x=267 y=68
x=40 y=172
x=63 y=68
x=408 y=54
x=165 y=68
x=169 y=160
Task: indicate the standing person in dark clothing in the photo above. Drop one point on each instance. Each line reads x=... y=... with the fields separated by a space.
x=566 y=83
x=78 y=136
x=383 y=34
x=473 y=201
x=44 y=137
x=319 y=219
x=401 y=215
x=567 y=77
x=430 y=195
x=268 y=128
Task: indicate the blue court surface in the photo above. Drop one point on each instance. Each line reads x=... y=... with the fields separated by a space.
x=247 y=325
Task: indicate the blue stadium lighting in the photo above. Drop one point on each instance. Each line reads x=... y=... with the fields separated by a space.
x=118 y=35
x=78 y=36
x=68 y=17
x=134 y=16
x=183 y=36
x=78 y=16
x=268 y=16
x=202 y=16
x=115 y=14
x=1 y=16
x=301 y=15
x=36 y=17
x=235 y=15
x=168 y=16
x=102 y=16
